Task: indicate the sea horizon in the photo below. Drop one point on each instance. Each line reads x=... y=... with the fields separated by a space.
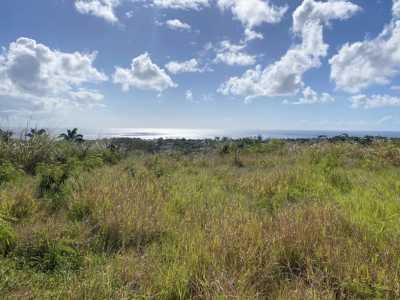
x=199 y=134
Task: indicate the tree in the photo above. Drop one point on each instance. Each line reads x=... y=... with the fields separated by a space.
x=36 y=132
x=72 y=136
x=5 y=135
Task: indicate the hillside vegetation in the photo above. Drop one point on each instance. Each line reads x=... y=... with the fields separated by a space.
x=220 y=219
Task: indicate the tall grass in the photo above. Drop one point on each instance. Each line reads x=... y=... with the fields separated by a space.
x=291 y=221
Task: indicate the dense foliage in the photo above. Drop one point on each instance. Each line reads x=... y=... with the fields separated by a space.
x=214 y=219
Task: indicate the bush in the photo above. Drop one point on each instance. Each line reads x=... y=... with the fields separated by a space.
x=111 y=156
x=47 y=255
x=79 y=211
x=53 y=182
x=23 y=207
x=93 y=161
x=8 y=172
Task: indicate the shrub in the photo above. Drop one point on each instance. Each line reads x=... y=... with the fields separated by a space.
x=111 y=156
x=93 y=161
x=79 y=211
x=8 y=172
x=53 y=182
x=52 y=179
x=29 y=154
x=23 y=206
x=46 y=255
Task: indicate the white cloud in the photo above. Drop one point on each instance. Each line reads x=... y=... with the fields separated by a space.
x=252 y=13
x=181 y=4
x=231 y=54
x=100 y=8
x=252 y=35
x=362 y=64
x=284 y=77
x=144 y=75
x=189 y=66
x=374 y=101
x=177 y=25
x=189 y=95
x=311 y=97
x=370 y=62
x=396 y=8
x=87 y=97
x=33 y=77
x=311 y=11
x=129 y=14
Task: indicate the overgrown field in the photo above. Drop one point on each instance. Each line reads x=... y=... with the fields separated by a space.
x=253 y=220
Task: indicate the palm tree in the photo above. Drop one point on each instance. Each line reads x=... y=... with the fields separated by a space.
x=72 y=136
x=5 y=135
x=36 y=132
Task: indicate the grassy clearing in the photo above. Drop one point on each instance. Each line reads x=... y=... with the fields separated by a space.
x=254 y=220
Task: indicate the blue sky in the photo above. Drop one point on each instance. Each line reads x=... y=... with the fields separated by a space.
x=225 y=64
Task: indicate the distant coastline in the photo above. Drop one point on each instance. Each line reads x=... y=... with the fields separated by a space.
x=201 y=134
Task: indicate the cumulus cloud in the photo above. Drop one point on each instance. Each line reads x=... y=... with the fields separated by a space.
x=100 y=8
x=285 y=77
x=252 y=13
x=322 y=12
x=374 y=101
x=176 y=24
x=231 y=54
x=143 y=75
x=35 y=77
x=362 y=64
x=311 y=97
x=189 y=66
x=252 y=35
x=396 y=8
x=181 y=4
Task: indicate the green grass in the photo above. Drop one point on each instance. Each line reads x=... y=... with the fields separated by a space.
x=277 y=220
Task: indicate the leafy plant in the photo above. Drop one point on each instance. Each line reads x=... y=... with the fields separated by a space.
x=34 y=132
x=46 y=255
x=72 y=136
x=5 y=135
x=8 y=172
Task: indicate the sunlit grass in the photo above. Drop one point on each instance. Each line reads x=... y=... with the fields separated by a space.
x=291 y=221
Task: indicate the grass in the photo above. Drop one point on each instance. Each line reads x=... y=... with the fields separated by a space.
x=259 y=220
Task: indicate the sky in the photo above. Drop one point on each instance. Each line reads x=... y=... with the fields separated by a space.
x=217 y=64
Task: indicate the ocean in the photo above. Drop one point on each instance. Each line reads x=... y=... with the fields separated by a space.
x=157 y=133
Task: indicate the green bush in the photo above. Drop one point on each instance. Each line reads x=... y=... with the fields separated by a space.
x=111 y=156
x=23 y=207
x=79 y=211
x=46 y=255
x=93 y=161
x=53 y=183
x=8 y=172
